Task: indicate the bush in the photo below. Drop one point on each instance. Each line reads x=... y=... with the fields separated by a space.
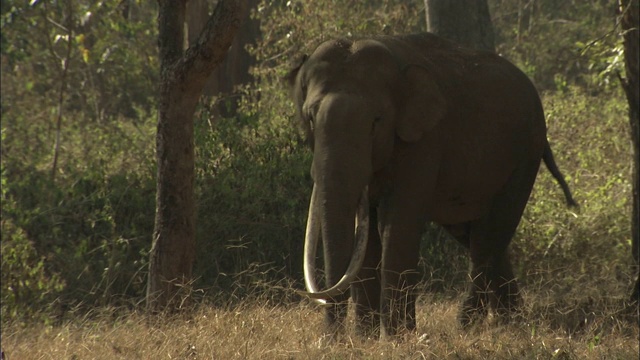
x=29 y=290
x=589 y=137
x=253 y=188
x=560 y=43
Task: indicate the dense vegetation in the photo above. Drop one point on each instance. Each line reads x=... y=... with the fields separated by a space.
x=77 y=235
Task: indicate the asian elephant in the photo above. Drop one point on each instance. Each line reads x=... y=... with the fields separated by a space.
x=405 y=130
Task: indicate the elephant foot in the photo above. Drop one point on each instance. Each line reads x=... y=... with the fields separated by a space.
x=473 y=312
x=396 y=329
x=368 y=326
x=398 y=335
x=468 y=318
x=335 y=320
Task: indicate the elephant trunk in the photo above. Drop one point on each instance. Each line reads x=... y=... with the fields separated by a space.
x=311 y=244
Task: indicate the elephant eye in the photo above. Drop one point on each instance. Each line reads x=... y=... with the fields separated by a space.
x=310 y=114
x=376 y=120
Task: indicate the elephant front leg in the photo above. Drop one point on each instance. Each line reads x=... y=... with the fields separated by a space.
x=335 y=317
x=399 y=279
x=398 y=302
x=365 y=292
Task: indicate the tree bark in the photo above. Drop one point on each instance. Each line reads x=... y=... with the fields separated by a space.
x=465 y=22
x=182 y=77
x=630 y=22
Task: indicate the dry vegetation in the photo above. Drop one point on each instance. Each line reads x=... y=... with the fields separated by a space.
x=555 y=325
x=74 y=252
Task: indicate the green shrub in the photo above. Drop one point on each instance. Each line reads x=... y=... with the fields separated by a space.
x=560 y=43
x=253 y=188
x=29 y=290
x=589 y=136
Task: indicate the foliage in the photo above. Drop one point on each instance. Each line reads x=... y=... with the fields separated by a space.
x=90 y=234
x=113 y=57
x=80 y=238
x=560 y=43
x=27 y=287
x=591 y=147
x=252 y=184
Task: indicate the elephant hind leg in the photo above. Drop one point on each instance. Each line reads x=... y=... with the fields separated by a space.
x=492 y=283
x=506 y=294
x=489 y=238
x=475 y=306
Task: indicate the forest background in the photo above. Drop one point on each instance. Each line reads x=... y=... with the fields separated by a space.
x=78 y=106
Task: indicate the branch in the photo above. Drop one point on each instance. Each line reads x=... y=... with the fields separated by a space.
x=63 y=85
x=213 y=42
x=608 y=33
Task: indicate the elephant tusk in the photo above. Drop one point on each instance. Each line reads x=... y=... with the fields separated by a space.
x=310 y=247
x=357 y=258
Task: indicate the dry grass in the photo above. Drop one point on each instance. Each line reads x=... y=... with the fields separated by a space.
x=572 y=328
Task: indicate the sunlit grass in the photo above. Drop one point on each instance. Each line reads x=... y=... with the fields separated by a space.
x=555 y=323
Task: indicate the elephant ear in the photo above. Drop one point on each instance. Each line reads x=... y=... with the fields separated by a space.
x=291 y=76
x=424 y=104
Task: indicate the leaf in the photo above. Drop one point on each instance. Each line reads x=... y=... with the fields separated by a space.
x=60 y=37
x=85 y=55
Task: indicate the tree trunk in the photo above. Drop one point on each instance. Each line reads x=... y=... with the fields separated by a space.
x=465 y=22
x=630 y=23
x=182 y=77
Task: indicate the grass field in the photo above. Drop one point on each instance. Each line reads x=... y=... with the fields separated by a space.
x=554 y=325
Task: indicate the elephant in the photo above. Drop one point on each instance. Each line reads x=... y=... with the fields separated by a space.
x=407 y=130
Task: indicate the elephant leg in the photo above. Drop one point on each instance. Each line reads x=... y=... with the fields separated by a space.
x=493 y=282
x=399 y=277
x=365 y=293
x=335 y=316
x=477 y=301
x=336 y=310
x=506 y=294
x=489 y=240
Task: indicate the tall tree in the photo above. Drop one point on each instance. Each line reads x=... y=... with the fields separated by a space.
x=630 y=11
x=182 y=77
x=465 y=22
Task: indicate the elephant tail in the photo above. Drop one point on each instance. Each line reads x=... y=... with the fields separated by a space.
x=550 y=162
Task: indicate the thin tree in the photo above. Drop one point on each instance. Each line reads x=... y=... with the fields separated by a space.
x=182 y=77
x=465 y=22
x=631 y=84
